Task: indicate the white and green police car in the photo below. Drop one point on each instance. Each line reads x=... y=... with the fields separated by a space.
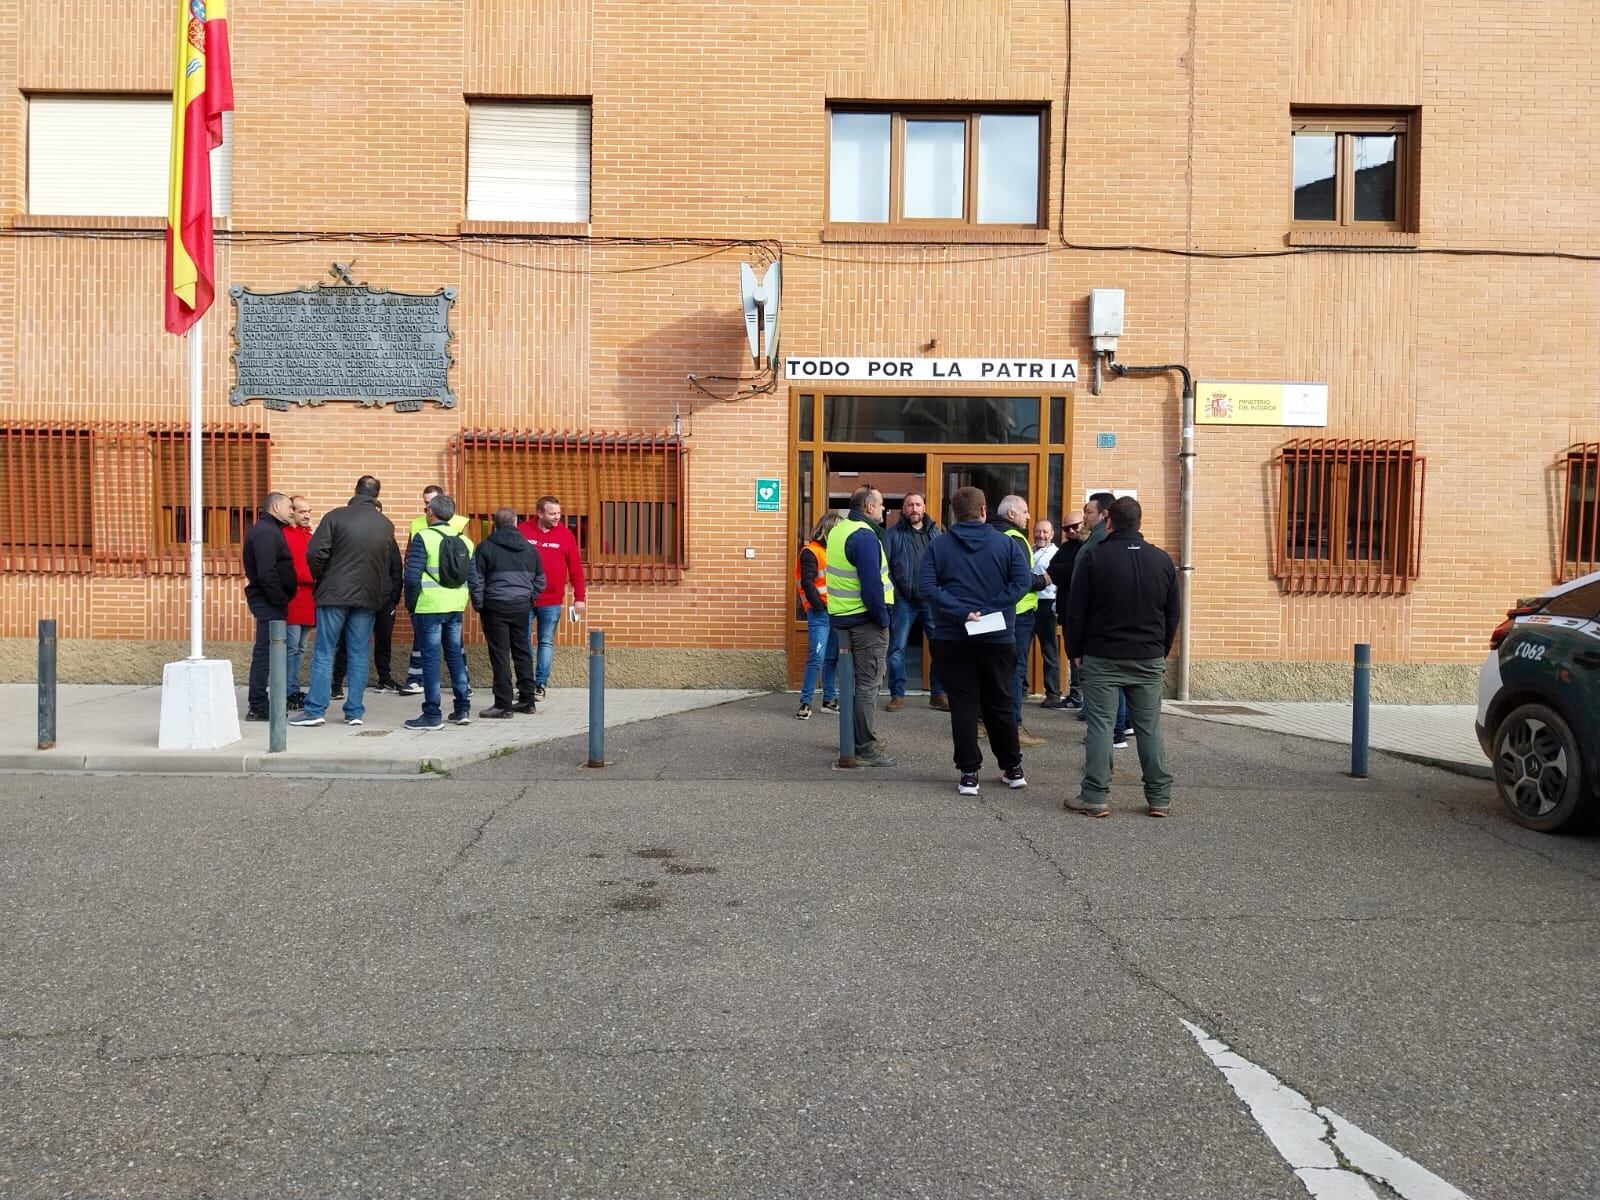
x=1539 y=706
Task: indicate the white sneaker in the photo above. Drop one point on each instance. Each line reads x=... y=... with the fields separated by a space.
x=354 y=721
x=304 y=720
x=411 y=689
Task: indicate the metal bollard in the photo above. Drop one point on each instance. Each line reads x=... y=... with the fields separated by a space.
x=277 y=693
x=597 y=698
x=845 y=673
x=1361 y=711
x=47 y=685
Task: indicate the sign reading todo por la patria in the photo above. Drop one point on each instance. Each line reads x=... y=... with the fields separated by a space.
x=928 y=370
x=342 y=342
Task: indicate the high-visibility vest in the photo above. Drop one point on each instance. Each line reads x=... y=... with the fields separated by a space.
x=418 y=524
x=844 y=585
x=821 y=552
x=1029 y=602
x=434 y=596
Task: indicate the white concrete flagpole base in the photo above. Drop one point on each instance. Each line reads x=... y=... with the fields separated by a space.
x=199 y=710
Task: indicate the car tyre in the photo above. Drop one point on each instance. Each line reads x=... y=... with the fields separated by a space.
x=1539 y=769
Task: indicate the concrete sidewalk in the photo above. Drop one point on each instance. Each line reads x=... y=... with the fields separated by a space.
x=1437 y=735
x=112 y=728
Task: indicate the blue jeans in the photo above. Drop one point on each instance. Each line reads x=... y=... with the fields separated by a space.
x=295 y=641
x=822 y=657
x=1019 y=677
x=353 y=626
x=546 y=617
x=436 y=633
x=901 y=618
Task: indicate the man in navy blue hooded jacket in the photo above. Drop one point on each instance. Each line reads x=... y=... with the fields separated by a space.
x=976 y=571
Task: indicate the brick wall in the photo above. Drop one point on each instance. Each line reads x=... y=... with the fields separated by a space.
x=710 y=122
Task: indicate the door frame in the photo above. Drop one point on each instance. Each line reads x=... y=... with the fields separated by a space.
x=1053 y=447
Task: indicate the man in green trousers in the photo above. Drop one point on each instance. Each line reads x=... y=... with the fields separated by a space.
x=1122 y=617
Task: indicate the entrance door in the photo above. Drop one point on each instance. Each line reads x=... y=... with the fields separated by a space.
x=998 y=475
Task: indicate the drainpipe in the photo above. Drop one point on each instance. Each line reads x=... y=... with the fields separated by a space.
x=1186 y=456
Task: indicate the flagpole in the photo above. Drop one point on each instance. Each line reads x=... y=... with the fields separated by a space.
x=196 y=512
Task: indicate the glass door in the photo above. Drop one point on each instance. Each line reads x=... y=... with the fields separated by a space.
x=997 y=477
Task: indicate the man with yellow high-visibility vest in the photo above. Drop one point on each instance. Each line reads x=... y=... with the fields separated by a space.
x=860 y=596
x=440 y=576
x=1012 y=519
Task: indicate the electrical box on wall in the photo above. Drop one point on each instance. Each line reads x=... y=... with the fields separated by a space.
x=1105 y=317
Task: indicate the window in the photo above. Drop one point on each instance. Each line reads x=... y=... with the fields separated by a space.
x=234 y=477
x=1353 y=170
x=528 y=162
x=52 y=464
x=951 y=168
x=107 y=156
x=1349 y=516
x=623 y=495
x=1578 y=602
x=991 y=420
x=1580 y=515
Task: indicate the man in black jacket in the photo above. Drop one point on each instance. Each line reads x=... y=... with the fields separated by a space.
x=1060 y=572
x=509 y=579
x=382 y=632
x=269 y=586
x=1122 y=616
x=349 y=559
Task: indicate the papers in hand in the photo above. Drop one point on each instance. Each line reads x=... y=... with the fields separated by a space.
x=994 y=622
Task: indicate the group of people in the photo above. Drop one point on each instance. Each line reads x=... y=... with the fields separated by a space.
x=338 y=588
x=983 y=592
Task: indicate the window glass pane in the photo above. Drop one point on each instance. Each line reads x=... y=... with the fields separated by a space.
x=1315 y=159
x=1058 y=420
x=808 y=418
x=1307 y=482
x=1579 y=602
x=1008 y=169
x=990 y=420
x=858 y=169
x=1583 y=509
x=1376 y=177
x=1052 y=503
x=935 y=184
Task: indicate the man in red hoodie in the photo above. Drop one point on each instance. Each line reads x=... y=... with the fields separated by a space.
x=302 y=624
x=558 y=551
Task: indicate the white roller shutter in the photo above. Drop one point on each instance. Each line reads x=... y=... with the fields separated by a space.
x=528 y=162
x=96 y=156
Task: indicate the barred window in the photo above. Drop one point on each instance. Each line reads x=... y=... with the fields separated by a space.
x=48 y=467
x=235 y=471
x=1580 y=514
x=1349 y=516
x=623 y=495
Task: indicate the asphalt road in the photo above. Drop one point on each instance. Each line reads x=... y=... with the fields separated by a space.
x=718 y=968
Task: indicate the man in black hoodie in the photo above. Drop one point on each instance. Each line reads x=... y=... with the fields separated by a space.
x=509 y=579
x=975 y=571
x=1122 y=616
x=269 y=586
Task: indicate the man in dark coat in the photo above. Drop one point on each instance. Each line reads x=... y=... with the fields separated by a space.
x=906 y=541
x=269 y=586
x=509 y=579
x=975 y=571
x=1060 y=572
x=1122 y=617
x=349 y=557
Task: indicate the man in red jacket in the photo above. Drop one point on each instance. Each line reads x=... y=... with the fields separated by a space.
x=302 y=625
x=558 y=551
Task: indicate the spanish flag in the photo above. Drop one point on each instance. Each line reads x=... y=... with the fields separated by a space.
x=202 y=90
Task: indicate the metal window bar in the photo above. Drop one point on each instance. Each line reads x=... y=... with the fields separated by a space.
x=51 y=464
x=1350 y=516
x=624 y=494
x=1580 y=512
x=236 y=462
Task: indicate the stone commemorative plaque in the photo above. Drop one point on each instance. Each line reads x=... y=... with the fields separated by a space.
x=355 y=343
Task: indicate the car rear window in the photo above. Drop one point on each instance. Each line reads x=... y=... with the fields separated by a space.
x=1579 y=602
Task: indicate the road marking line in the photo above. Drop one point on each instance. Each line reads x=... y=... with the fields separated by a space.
x=1319 y=1145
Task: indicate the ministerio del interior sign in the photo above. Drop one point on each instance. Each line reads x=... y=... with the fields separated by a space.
x=933 y=370
x=1223 y=403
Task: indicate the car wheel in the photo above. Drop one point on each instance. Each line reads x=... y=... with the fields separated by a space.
x=1538 y=769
